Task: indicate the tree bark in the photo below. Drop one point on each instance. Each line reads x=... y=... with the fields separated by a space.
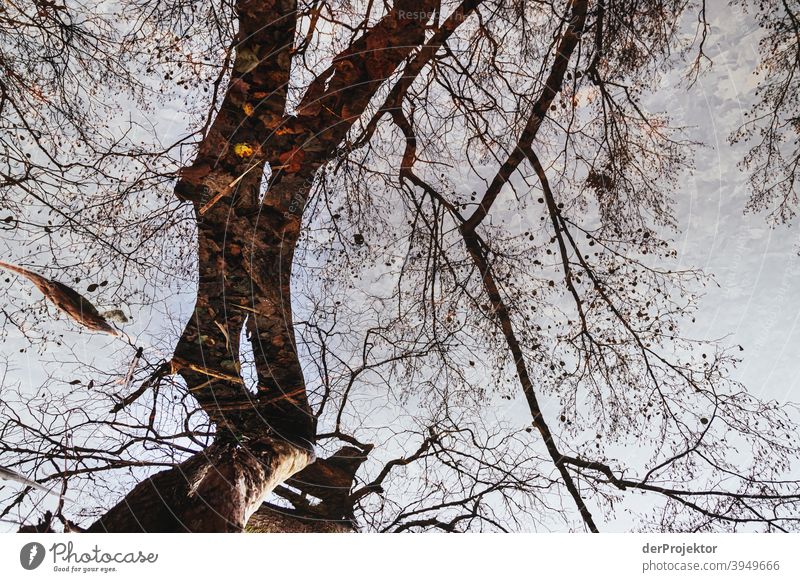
x=269 y=520
x=213 y=491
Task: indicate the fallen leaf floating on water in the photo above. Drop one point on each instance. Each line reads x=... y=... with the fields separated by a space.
x=67 y=300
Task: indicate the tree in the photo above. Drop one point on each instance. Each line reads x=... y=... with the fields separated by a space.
x=395 y=216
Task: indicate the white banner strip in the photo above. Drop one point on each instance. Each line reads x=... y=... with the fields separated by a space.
x=373 y=557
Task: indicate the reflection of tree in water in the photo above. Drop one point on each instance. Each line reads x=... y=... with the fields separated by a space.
x=468 y=203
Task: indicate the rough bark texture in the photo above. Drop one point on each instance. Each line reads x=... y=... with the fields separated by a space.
x=214 y=491
x=273 y=520
x=324 y=503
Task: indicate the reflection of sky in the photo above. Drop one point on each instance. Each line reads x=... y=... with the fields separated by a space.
x=757 y=267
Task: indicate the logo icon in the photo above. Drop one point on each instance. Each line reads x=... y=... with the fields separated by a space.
x=31 y=555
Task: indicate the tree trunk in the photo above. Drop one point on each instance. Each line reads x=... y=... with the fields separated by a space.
x=273 y=520
x=216 y=490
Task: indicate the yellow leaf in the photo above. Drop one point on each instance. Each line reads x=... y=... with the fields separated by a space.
x=248 y=109
x=243 y=150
